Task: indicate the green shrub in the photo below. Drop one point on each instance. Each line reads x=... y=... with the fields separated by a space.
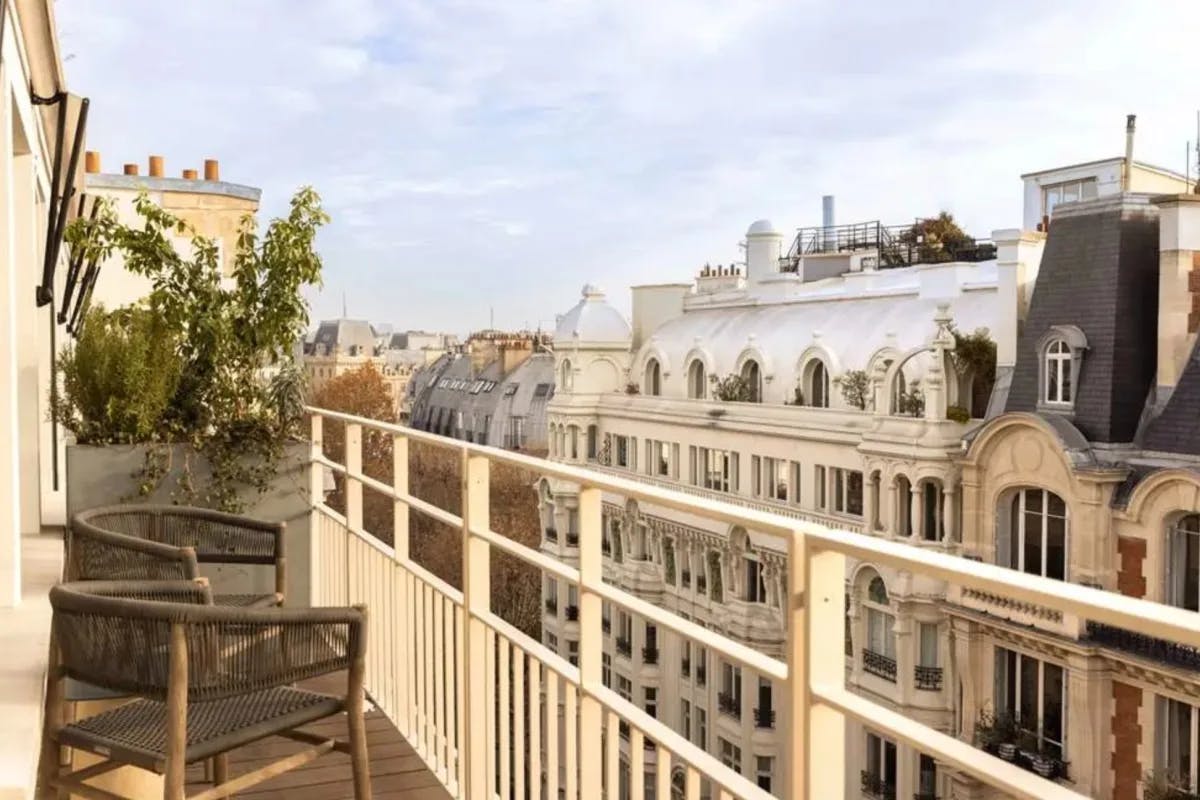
x=733 y=389
x=856 y=387
x=119 y=378
x=957 y=414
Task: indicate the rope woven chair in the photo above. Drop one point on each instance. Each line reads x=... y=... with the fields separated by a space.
x=208 y=679
x=157 y=542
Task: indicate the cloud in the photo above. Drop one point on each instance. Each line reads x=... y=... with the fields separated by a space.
x=477 y=154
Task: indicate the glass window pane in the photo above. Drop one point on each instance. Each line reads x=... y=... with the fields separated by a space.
x=1052 y=705
x=1056 y=548
x=1032 y=544
x=1027 y=711
x=1088 y=189
x=928 y=656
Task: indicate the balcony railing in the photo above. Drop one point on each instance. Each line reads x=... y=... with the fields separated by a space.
x=440 y=663
x=606 y=625
x=571 y=613
x=1139 y=644
x=729 y=704
x=879 y=664
x=551 y=534
x=927 y=678
x=649 y=655
x=876 y=787
x=764 y=717
x=572 y=539
x=624 y=646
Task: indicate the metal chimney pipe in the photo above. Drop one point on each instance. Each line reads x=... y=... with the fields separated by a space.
x=1130 y=126
x=827 y=211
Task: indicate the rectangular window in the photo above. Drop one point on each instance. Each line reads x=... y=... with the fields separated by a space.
x=846 y=491
x=795 y=482
x=731 y=687
x=756 y=584
x=1034 y=540
x=606 y=669
x=819 y=485
x=927 y=776
x=1034 y=693
x=1183 y=567
x=701 y=728
x=927 y=654
x=659 y=459
x=573 y=652
x=685 y=719
x=650 y=695
x=731 y=755
x=1177 y=742
x=764 y=769
x=716 y=469
x=623 y=451
x=769 y=478
x=685 y=658
x=552 y=641
x=879 y=777
x=624 y=687
x=1067 y=192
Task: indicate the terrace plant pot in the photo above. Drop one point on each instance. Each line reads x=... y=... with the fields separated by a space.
x=112 y=474
x=1007 y=750
x=1045 y=766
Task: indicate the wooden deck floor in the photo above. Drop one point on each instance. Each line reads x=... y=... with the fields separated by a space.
x=396 y=771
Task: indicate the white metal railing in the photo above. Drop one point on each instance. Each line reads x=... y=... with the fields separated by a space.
x=441 y=664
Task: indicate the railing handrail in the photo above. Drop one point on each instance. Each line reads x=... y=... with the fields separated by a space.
x=815 y=592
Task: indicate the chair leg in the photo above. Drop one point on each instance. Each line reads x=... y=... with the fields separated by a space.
x=358 y=751
x=220 y=769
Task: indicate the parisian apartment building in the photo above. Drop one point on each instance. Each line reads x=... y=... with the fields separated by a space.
x=1029 y=399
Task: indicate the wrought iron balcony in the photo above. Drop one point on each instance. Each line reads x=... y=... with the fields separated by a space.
x=649 y=655
x=764 y=717
x=877 y=788
x=927 y=678
x=730 y=704
x=879 y=664
x=1139 y=644
x=571 y=613
x=624 y=646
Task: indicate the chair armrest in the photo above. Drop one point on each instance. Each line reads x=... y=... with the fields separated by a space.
x=223 y=538
x=193 y=592
x=96 y=554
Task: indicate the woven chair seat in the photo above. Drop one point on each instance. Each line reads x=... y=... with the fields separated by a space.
x=136 y=733
x=246 y=600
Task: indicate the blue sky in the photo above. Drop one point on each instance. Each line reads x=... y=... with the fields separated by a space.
x=477 y=154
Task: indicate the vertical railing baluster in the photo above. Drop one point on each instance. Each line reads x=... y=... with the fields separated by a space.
x=814 y=757
x=400 y=549
x=476 y=596
x=504 y=719
x=318 y=587
x=535 y=729
x=519 y=710
x=591 y=636
x=354 y=489
x=637 y=762
x=571 y=757
x=552 y=735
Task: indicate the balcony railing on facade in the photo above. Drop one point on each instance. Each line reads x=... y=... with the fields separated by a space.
x=572 y=539
x=927 y=678
x=880 y=665
x=892 y=245
x=1165 y=652
x=729 y=704
x=876 y=787
x=650 y=655
x=624 y=646
x=685 y=668
x=571 y=613
x=764 y=717
x=441 y=663
x=551 y=534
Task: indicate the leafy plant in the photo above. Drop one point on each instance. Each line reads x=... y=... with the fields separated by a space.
x=224 y=331
x=974 y=359
x=856 y=387
x=632 y=388
x=911 y=403
x=1162 y=785
x=119 y=377
x=797 y=396
x=958 y=414
x=732 y=389
x=937 y=239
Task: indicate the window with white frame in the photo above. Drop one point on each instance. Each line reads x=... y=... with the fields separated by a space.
x=927 y=644
x=1178 y=740
x=573 y=652
x=881 y=622
x=1058 y=383
x=606 y=669
x=624 y=452
x=819 y=485
x=685 y=719
x=1067 y=192
x=839 y=490
x=1034 y=693
x=701 y=728
x=756 y=583
x=926 y=776
x=660 y=458
x=624 y=688
x=1183 y=562
x=1032 y=535
x=731 y=684
x=552 y=641
x=752 y=375
x=764 y=770
x=731 y=755
x=769 y=477
x=816 y=384
x=650 y=698
x=714 y=469
x=881 y=765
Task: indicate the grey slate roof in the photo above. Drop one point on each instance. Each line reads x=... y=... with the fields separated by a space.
x=1099 y=272
x=345 y=336
x=1177 y=428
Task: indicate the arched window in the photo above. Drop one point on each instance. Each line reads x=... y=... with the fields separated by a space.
x=697 y=380
x=879 y=654
x=653 y=382
x=903 y=510
x=752 y=375
x=1059 y=384
x=1183 y=562
x=816 y=384
x=1032 y=534
x=566 y=377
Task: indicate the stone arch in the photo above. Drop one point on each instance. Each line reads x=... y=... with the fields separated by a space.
x=707 y=363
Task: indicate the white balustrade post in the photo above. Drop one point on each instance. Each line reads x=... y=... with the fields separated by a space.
x=403 y=581
x=815 y=743
x=477 y=739
x=591 y=643
x=354 y=518
x=316 y=496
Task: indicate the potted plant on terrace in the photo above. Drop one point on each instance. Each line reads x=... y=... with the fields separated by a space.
x=190 y=395
x=1045 y=762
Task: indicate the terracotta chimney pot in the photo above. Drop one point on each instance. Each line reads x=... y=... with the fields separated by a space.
x=131 y=169
x=156 y=166
x=91 y=161
x=212 y=169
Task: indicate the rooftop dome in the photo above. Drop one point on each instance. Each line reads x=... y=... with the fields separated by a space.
x=760 y=227
x=592 y=320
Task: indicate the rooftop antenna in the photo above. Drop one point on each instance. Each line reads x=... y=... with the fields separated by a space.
x=492 y=317
x=344 y=314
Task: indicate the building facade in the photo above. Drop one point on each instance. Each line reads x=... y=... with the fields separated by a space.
x=493 y=390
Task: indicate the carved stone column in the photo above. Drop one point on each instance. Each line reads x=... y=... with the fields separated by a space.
x=915 y=515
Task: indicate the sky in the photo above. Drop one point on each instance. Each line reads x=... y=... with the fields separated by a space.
x=489 y=157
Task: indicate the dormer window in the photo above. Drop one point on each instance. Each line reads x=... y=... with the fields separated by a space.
x=816 y=384
x=697 y=380
x=752 y=375
x=1061 y=351
x=1058 y=373
x=565 y=378
x=653 y=377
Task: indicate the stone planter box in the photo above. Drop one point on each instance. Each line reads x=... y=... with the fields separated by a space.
x=108 y=475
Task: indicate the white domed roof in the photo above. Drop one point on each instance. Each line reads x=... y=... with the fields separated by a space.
x=592 y=320
x=761 y=227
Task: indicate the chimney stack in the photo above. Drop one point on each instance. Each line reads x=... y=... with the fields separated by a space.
x=1178 y=286
x=156 y=166
x=131 y=169
x=1130 y=126
x=91 y=161
x=212 y=169
x=189 y=174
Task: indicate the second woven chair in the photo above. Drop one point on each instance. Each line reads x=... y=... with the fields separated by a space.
x=162 y=542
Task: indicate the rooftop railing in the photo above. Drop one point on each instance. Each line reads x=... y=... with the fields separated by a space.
x=440 y=663
x=892 y=245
